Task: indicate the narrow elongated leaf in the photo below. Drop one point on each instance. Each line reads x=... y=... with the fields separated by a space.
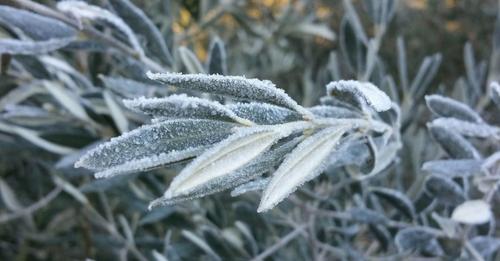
x=303 y=164
x=454 y=144
x=360 y=93
x=116 y=112
x=182 y=106
x=397 y=199
x=426 y=73
x=201 y=244
x=190 y=61
x=263 y=163
x=229 y=155
x=467 y=128
x=325 y=111
x=9 y=197
x=444 y=190
x=216 y=62
x=263 y=113
x=11 y=46
x=142 y=25
x=34 y=137
x=472 y=212
x=233 y=86
x=453 y=168
x=36 y=26
x=446 y=107
x=127 y=87
x=353 y=46
x=67 y=99
x=154 y=145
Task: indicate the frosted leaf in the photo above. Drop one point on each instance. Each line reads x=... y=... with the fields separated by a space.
x=190 y=61
x=151 y=161
x=325 y=111
x=397 y=199
x=37 y=27
x=472 y=212
x=182 y=106
x=258 y=184
x=258 y=166
x=229 y=155
x=216 y=61
x=453 y=168
x=233 y=86
x=11 y=46
x=453 y=143
x=263 y=113
x=143 y=26
x=157 y=140
x=82 y=10
x=303 y=164
x=467 y=128
x=362 y=93
x=419 y=239
x=127 y=87
x=444 y=190
x=446 y=107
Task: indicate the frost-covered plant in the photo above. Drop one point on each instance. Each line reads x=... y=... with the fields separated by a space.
x=239 y=143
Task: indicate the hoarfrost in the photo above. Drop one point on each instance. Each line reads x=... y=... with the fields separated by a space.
x=303 y=164
x=234 y=86
x=182 y=106
x=362 y=93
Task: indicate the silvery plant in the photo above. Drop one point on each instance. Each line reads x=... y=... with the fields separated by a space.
x=263 y=140
x=174 y=156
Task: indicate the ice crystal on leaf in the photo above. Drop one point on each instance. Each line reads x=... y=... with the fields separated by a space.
x=234 y=145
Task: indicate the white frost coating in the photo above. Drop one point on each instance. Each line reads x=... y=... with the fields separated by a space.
x=495 y=89
x=472 y=212
x=81 y=9
x=149 y=162
x=365 y=92
x=163 y=137
x=234 y=86
x=264 y=113
x=182 y=106
x=229 y=155
x=447 y=107
x=467 y=128
x=303 y=164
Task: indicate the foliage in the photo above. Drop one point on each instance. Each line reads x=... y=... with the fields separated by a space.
x=145 y=96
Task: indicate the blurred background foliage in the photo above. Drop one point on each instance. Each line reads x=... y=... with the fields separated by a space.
x=51 y=211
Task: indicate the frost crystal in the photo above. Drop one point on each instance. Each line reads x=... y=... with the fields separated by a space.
x=234 y=86
x=182 y=106
x=362 y=93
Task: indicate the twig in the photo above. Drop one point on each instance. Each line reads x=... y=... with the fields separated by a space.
x=32 y=208
x=285 y=240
